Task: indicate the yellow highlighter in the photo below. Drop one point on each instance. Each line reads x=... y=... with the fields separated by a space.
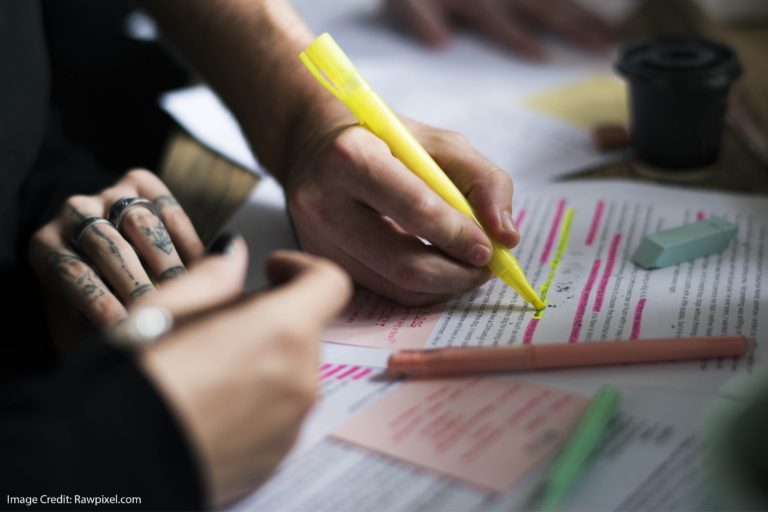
x=333 y=69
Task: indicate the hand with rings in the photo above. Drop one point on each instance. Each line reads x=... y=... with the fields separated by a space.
x=104 y=252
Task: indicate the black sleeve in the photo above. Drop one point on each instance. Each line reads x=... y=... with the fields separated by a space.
x=96 y=427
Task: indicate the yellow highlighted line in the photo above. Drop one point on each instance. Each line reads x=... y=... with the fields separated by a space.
x=562 y=244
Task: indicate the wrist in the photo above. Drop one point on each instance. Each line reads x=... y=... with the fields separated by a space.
x=317 y=118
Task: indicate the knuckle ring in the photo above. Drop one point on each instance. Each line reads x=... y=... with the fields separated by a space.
x=142 y=326
x=84 y=225
x=122 y=206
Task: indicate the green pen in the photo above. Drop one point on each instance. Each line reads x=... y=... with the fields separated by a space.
x=580 y=445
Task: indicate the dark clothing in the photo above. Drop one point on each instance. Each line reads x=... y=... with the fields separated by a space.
x=99 y=75
x=95 y=428
x=23 y=108
x=92 y=425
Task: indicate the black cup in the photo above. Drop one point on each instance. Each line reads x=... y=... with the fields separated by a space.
x=678 y=97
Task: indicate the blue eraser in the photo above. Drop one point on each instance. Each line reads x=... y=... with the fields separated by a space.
x=684 y=243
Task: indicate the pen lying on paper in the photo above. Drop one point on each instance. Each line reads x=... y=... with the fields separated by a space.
x=523 y=358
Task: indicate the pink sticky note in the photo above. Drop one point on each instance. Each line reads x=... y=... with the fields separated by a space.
x=487 y=432
x=373 y=321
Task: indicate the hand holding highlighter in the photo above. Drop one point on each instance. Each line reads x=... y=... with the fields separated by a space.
x=333 y=69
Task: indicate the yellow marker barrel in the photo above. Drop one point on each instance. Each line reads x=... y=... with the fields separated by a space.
x=333 y=69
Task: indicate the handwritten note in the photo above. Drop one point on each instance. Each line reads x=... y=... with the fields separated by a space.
x=486 y=432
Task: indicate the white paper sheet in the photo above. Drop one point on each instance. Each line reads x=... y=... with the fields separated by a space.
x=336 y=477
x=659 y=433
x=596 y=292
x=720 y=294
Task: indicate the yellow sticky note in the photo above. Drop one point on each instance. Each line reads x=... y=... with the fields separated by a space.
x=601 y=99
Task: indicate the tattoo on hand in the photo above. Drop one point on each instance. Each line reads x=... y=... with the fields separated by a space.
x=115 y=251
x=172 y=272
x=159 y=237
x=140 y=290
x=57 y=261
x=165 y=200
x=89 y=284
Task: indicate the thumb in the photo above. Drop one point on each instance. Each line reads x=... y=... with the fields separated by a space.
x=312 y=285
x=488 y=188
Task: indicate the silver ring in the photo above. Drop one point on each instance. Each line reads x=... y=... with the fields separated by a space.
x=122 y=206
x=84 y=225
x=143 y=326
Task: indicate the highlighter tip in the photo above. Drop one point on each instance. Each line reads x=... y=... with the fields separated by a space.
x=517 y=281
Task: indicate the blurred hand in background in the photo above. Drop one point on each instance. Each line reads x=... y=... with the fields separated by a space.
x=509 y=23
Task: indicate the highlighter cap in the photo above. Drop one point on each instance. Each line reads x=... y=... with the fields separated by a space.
x=332 y=68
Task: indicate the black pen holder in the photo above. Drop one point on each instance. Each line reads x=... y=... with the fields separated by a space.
x=678 y=91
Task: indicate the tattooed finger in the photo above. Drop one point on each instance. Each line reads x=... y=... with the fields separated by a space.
x=116 y=260
x=175 y=219
x=159 y=236
x=81 y=284
x=179 y=227
x=151 y=240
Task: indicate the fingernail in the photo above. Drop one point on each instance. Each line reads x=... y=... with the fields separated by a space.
x=480 y=254
x=509 y=224
x=223 y=244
